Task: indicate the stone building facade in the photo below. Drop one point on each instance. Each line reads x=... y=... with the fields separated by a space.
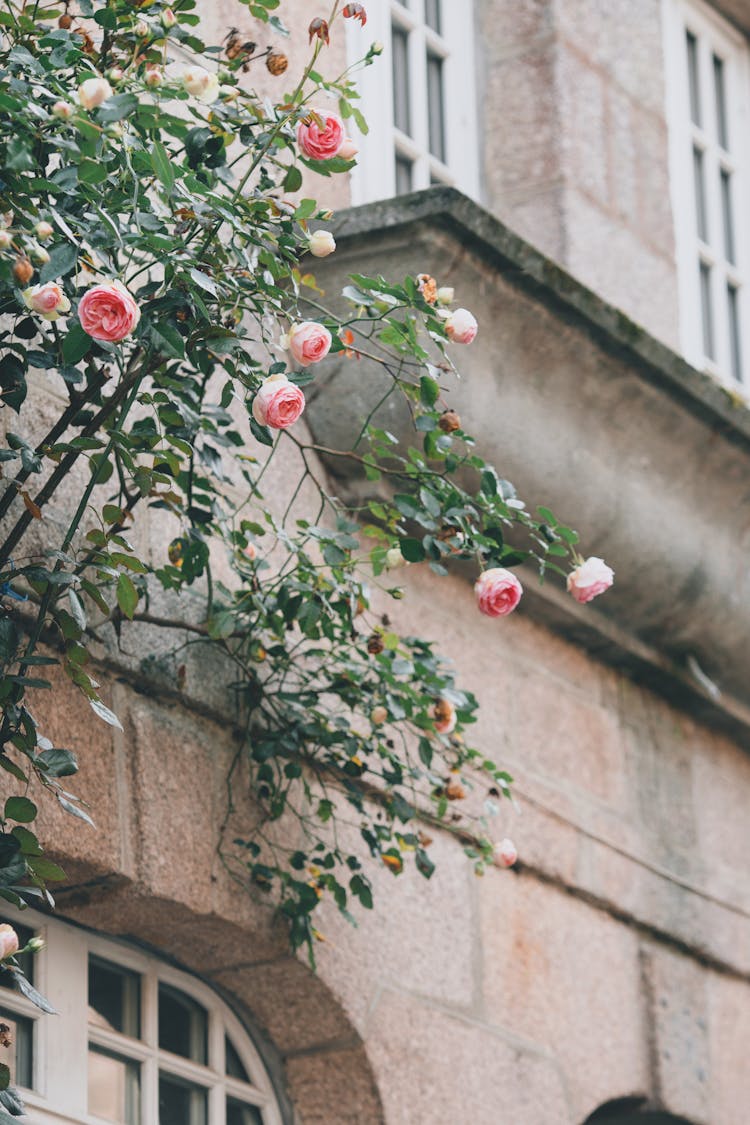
x=607 y=977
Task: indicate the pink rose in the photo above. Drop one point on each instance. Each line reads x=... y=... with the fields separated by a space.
x=8 y=941
x=321 y=143
x=505 y=854
x=278 y=403
x=309 y=342
x=48 y=300
x=498 y=592
x=108 y=312
x=590 y=579
x=461 y=327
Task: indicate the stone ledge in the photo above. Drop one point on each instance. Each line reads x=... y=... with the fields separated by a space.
x=583 y=410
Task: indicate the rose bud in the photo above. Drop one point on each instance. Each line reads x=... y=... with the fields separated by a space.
x=63 y=110
x=355 y=12
x=321 y=142
x=6 y=240
x=115 y=74
x=375 y=644
x=202 y=84
x=39 y=255
x=168 y=19
x=250 y=552
x=93 y=92
x=153 y=78
x=142 y=29
x=394 y=558
x=504 y=853
x=48 y=300
x=318 y=29
x=309 y=342
x=23 y=271
x=33 y=945
x=449 y=422
x=278 y=403
x=376 y=48
x=590 y=579
x=8 y=941
x=461 y=327
x=44 y=230
x=276 y=63
x=444 y=714
x=378 y=716
x=454 y=790
x=498 y=592
x=321 y=243
x=108 y=312
x=348 y=149
x=445 y=295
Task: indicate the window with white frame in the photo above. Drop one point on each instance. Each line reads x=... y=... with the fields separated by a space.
x=135 y=1042
x=708 y=90
x=418 y=99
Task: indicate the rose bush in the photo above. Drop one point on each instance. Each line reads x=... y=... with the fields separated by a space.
x=172 y=309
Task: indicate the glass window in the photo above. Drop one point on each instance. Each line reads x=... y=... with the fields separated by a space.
x=435 y=105
x=234 y=1066
x=183 y=1025
x=16 y=1046
x=239 y=1113
x=114 y=1088
x=114 y=997
x=181 y=1102
x=708 y=86
x=400 y=69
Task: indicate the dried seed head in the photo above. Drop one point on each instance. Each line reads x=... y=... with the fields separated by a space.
x=375 y=644
x=276 y=63
x=23 y=271
x=449 y=422
x=318 y=29
x=355 y=12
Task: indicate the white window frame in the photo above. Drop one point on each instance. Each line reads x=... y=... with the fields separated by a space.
x=714 y=35
x=375 y=175
x=61 y=1042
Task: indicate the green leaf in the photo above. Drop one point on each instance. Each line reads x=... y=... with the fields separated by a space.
x=21 y=809
x=76 y=608
x=167 y=339
x=27 y=989
x=58 y=763
x=76 y=344
x=412 y=550
x=127 y=595
x=429 y=390
x=162 y=165
x=62 y=259
x=104 y=713
x=293 y=179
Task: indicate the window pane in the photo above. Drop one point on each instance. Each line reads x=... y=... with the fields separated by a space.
x=181 y=1102
x=16 y=1044
x=700 y=194
x=403 y=175
x=693 y=81
x=707 y=311
x=721 y=103
x=114 y=997
x=435 y=106
x=400 y=62
x=183 y=1025
x=432 y=14
x=734 y=332
x=726 y=208
x=234 y=1067
x=114 y=1088
x=240 y=1114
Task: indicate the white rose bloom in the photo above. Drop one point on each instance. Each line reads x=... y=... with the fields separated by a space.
x=93 y=92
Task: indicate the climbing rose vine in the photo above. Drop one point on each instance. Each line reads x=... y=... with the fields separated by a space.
x=156 y=284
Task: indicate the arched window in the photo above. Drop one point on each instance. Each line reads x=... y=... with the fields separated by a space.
x=136 y=1042
x=632 y=1111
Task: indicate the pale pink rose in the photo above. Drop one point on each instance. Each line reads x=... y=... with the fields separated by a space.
x=590 y=579
x=321 y=142
x=309 y=342
x=348 y=149
x=505 y=854
x=250 y=552
x=108 y=312
x=278 y=403
x=93 y=92
x=498 y=592
x=48 y=300
x=62 y=110
x=8 y=941
x=461 y=327
x=202 y=84
x=44 y=230
x=321 y=243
